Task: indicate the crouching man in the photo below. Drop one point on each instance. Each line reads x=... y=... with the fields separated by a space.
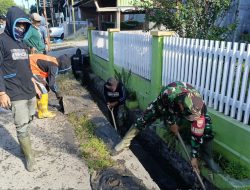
x=115 y=97
x=177 y=101
x=45 y=69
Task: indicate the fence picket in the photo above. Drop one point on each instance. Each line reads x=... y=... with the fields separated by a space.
x=219 y=75
x=171 y=56
x=231 y=77
x=184 y=44
x=237 y=81
x=175 y=58
x=209 y=68
x=190 y=70
x=133 y=44
x=214 y=70
x=200 y=58
x=187 y=52
x=203 y=65
x=225 y=77
x=168 y=60
x=194 y=64
x=247 y=110
x=245 y=78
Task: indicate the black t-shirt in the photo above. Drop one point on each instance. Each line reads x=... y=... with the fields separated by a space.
x=15 y=72
x=118 y=95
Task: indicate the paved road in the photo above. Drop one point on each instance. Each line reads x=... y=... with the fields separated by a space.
x=69 y=48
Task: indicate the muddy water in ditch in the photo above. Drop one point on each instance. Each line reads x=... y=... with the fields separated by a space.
x=161 y=172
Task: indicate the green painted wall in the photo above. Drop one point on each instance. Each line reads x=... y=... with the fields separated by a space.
x=232 y=138
x=141 y=86
x=100 y=67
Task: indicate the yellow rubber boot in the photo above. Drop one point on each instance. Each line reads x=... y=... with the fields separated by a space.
x=42 y=107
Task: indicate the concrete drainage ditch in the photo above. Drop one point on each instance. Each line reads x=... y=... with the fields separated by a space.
x=165 y=166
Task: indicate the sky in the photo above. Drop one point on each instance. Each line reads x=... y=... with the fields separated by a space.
x=25 y=2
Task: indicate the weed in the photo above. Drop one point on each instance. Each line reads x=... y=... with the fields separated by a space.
x=232 y=168
x=93 y=149
x=124 y=77
x=67 y=84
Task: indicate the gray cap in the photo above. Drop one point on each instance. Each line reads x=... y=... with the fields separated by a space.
x=111 y=81
x=36 y=17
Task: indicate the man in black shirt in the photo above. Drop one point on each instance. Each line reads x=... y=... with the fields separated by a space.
x=114 y=93
x=17 y=91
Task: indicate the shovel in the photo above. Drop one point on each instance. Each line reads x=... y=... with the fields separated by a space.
x=195 y=171
x=113 y=117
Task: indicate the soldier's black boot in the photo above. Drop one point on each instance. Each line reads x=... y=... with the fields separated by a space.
x=207 y=156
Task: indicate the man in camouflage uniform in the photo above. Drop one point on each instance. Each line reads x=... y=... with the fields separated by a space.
x=178 y=101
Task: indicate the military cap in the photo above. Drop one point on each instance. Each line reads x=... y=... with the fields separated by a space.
x=194 y=104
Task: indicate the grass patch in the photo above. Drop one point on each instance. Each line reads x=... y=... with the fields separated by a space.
x=93 y=149
x=232 y=168
x=68 y=84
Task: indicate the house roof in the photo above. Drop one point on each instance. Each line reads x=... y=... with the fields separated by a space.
x=106 y=6
x=90 y=3
x=85 y=3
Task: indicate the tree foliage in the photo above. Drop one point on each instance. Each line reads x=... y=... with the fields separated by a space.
x=189 y=18
x=4 y=5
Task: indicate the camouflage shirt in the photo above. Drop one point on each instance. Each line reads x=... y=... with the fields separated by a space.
x=178 y=101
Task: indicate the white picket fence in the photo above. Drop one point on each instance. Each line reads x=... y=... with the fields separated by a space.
x=134 y=52
x=219 y=70
x=100 y=45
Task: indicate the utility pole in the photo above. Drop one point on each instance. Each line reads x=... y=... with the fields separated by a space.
x=46 y=20
x=52 y=12
x=28 y=5
x=73 y=16
x=37 y=4
x=23 y=6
